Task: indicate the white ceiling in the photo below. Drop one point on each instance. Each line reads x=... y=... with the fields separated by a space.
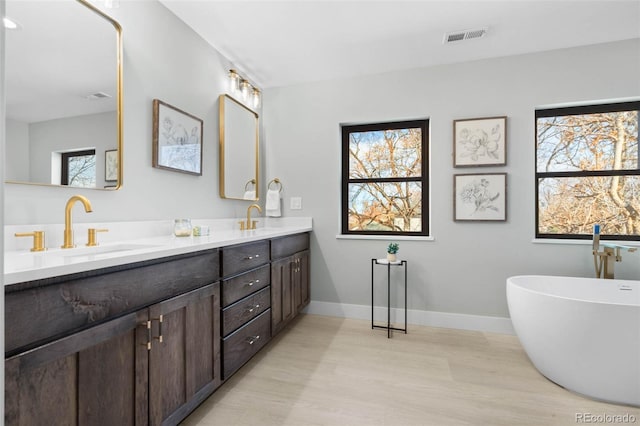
x=278 y=43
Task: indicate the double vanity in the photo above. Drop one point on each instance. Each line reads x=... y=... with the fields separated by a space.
x=142 y=331
x=125 y=323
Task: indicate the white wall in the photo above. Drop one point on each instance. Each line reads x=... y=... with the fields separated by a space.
x=464 y=269
x=18 y=151
x=163 y=59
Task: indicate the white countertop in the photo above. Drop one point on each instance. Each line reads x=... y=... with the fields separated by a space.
x=23 y=265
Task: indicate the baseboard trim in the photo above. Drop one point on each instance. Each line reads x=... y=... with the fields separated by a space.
x=416 y=317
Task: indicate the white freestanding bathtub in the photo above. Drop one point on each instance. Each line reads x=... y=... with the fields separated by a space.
x=581 y=333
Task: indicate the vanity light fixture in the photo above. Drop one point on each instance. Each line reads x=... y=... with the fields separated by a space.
x=241 y=89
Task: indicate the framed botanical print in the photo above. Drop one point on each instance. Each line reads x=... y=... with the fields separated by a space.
x=480 y=197
x=177 y=139
x=480 y=142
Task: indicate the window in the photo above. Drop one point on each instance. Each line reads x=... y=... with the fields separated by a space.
x=588 y=171
x=79 y=168
x=384 y=179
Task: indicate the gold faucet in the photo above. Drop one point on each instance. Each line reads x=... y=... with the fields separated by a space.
x=250 y=224
x=68 y=228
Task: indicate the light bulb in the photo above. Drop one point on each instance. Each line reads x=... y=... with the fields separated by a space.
x=234 y=82
x=245 y=89
x=255 y=98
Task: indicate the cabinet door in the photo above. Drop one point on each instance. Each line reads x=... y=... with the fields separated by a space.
x=282 y=303
x=297 y=284
x=71 y=381
x=184 y=360
x=302 y=280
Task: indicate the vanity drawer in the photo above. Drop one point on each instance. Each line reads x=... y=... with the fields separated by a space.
x=245 y=310
x=286 y=246
x=240 y=258
x=240 y=346
x=234 y=289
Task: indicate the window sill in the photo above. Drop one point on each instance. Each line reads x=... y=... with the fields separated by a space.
x=384 y=237
x=583 y=242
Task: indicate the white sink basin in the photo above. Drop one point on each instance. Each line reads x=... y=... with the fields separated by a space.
x=18 y=262
x=99 y=250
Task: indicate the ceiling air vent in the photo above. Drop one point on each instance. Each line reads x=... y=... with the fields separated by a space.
x=97 y=95
x=454 y=36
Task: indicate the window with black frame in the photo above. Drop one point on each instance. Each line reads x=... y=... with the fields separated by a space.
x=385 y=187
x=588 y=171
x=79 y=168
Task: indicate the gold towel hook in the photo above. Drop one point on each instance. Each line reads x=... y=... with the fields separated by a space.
x=277 y=182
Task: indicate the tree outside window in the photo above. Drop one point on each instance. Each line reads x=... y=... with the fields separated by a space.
x=79 y=168
x=588 y=171
x=384 y=178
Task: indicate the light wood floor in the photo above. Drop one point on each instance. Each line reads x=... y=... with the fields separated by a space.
x=336 y=371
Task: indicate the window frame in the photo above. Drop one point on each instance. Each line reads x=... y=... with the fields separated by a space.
x=580 y=110
x=64 y=172
x=423 y=179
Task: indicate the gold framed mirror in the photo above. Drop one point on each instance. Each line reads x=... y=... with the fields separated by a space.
x=63 y=68
x=239 y=150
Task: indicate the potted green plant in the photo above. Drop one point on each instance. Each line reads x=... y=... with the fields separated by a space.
x=391 y=251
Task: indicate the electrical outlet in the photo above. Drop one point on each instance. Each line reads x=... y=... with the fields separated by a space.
x=296 y=203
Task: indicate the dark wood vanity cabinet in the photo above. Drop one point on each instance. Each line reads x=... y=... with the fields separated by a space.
x=289 y=279
x=146 y=343
x=151 y=366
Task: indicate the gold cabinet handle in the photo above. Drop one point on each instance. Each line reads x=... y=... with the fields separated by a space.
x=159 y=337
x=38 y=239
x=92 y=237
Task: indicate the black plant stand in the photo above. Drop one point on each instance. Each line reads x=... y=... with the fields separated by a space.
x=402 y=263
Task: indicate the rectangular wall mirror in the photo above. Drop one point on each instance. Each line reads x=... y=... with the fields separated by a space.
x=63 y=68
x=239 y=148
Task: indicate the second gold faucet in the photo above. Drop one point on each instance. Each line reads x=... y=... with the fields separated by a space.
x=68 y=227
